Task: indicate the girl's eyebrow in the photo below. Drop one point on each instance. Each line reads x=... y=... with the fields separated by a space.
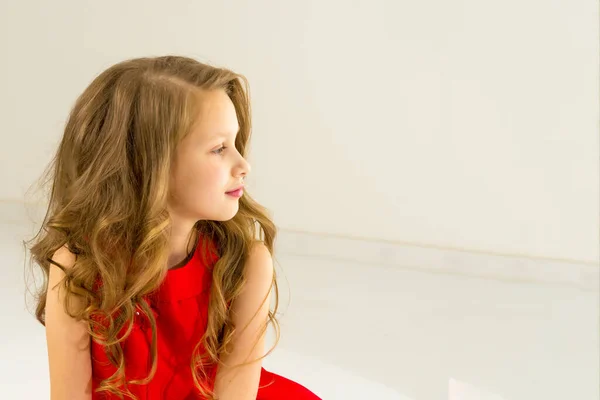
x=221 y=134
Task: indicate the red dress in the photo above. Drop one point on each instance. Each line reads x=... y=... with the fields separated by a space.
x=180 y=308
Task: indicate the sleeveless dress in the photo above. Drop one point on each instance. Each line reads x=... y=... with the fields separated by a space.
x=180 y=307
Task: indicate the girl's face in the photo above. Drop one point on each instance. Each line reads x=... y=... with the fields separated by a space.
x=207 y=164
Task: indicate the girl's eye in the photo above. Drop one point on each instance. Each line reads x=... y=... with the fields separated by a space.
x=219 y=151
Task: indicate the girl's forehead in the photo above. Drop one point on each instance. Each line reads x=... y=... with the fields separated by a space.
x=216 y=117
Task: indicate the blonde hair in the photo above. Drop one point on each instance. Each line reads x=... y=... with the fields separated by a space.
x=108 y=205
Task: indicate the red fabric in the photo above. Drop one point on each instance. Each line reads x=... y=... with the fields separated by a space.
x=180 y=308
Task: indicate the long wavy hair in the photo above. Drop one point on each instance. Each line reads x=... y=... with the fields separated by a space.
x=108 y=204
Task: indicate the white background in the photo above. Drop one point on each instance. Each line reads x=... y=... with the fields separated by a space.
x=468 y=126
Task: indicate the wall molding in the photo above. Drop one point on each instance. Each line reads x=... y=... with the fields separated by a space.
x=509 y=268
x=433 y=259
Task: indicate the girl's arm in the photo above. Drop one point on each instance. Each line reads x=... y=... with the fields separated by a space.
x=249 y=310
x=68 y=340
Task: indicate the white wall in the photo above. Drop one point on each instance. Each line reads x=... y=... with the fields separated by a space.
x=469 y=125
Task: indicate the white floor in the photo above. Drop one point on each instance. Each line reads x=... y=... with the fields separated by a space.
x=360 y=331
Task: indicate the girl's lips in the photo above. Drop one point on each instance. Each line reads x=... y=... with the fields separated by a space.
x=236 y=193
x=236 y=189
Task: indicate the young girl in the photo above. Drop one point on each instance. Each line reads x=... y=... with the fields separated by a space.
x=155 y=286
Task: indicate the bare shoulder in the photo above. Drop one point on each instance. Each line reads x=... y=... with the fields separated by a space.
x=61 y=261
x=260 y=250
x=260 y=262
x=63 y=258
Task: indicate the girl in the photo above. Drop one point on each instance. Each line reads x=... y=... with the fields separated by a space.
x=155 y=286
